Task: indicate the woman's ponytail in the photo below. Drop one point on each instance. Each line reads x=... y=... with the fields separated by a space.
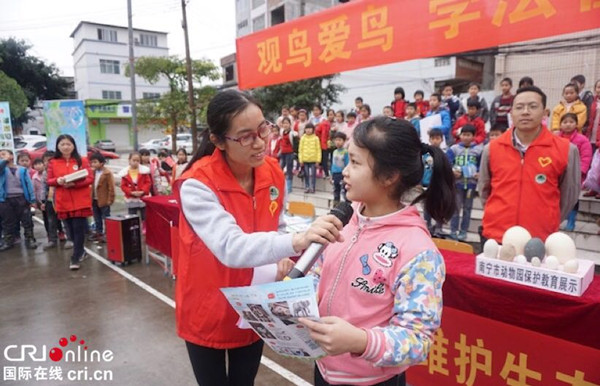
x=206 y=148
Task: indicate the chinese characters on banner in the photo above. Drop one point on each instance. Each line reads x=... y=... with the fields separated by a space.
x=373 y=32
x=471 y=350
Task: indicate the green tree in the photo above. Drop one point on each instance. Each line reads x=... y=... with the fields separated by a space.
x=173 y=106
x=39 y=81
x=302 y=94
x=11 y=92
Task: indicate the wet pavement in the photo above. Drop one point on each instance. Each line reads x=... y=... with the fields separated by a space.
x=41 y=301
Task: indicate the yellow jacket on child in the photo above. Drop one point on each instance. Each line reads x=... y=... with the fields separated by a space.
x=309 y=149
x=578 y=108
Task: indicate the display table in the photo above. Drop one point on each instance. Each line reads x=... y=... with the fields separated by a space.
x=496 y=333
x=576 y=319
x=162 y=218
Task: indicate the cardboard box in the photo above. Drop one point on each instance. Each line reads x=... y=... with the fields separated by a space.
x=573 y=284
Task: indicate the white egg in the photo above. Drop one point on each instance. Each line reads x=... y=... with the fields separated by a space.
x=490 y=249
x=571 y=266
x=535 y=261
x=562 y=246
x=517 y=236
x=520 y=259
x=551 y=262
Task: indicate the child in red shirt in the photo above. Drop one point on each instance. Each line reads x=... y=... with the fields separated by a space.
x=471 y=117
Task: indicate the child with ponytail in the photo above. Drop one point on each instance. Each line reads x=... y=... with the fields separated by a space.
x=380 y=288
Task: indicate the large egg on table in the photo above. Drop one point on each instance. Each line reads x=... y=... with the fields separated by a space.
x=534 y=248
x=562 y=246
x=518 y=237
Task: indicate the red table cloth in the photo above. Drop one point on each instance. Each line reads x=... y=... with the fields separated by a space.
x=160 y=212
x=571 y=318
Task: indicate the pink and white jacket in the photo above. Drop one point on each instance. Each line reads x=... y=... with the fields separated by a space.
x=386 y=278
x=585 y=150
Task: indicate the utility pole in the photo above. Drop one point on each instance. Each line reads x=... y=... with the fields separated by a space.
x=132 y=78
x=190 y=80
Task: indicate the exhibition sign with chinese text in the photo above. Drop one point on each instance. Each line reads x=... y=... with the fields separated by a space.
x=373 y=32
x=472 y=350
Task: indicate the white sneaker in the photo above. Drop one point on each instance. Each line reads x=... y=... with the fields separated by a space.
x=74 y=266
x=68 y=245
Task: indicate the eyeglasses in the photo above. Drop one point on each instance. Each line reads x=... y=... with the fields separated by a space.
x=530 y=107
x=262 y=132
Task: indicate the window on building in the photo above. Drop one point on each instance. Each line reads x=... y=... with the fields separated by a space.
x=257 y=3
x=148 y=40
x=277 y=16
x=109 y=66
x=243 y=24
x=151 y=95
x=229 y=73
x=441 y=62
x=108 y=94
x=108 y=35
x=258 y=23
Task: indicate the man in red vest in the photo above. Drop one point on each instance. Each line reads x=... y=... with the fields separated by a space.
x=528 y=176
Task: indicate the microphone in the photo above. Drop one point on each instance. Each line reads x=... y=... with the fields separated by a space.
x=344 y=212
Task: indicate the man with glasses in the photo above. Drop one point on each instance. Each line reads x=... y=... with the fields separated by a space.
x=528 y=176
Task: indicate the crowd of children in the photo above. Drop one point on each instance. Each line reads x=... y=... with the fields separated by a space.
x=311 y=145
x=66 y=205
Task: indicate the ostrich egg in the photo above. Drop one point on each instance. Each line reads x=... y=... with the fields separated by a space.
x=562 y=246
x=518 y=237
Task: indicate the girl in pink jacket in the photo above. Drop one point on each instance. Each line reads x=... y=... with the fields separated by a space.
x=380 y=289
x=568 y=130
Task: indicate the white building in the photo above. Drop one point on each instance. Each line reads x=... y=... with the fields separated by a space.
x=101 y=54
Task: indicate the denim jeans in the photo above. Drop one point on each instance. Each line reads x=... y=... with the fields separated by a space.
x=464 y=201
x=338 y=188
x=286 y=161
x=310 y=175
x=433 y=228
x=99 y=215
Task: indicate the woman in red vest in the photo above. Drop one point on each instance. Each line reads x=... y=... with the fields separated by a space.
x=232 y=201
x=72 y=200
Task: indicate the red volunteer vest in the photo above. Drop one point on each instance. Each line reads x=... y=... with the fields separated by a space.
x=204 y=317
x=77 y=198
x=525 y=190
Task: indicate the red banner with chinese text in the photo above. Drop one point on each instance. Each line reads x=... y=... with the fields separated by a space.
x=472 y=350
x=364 y=33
